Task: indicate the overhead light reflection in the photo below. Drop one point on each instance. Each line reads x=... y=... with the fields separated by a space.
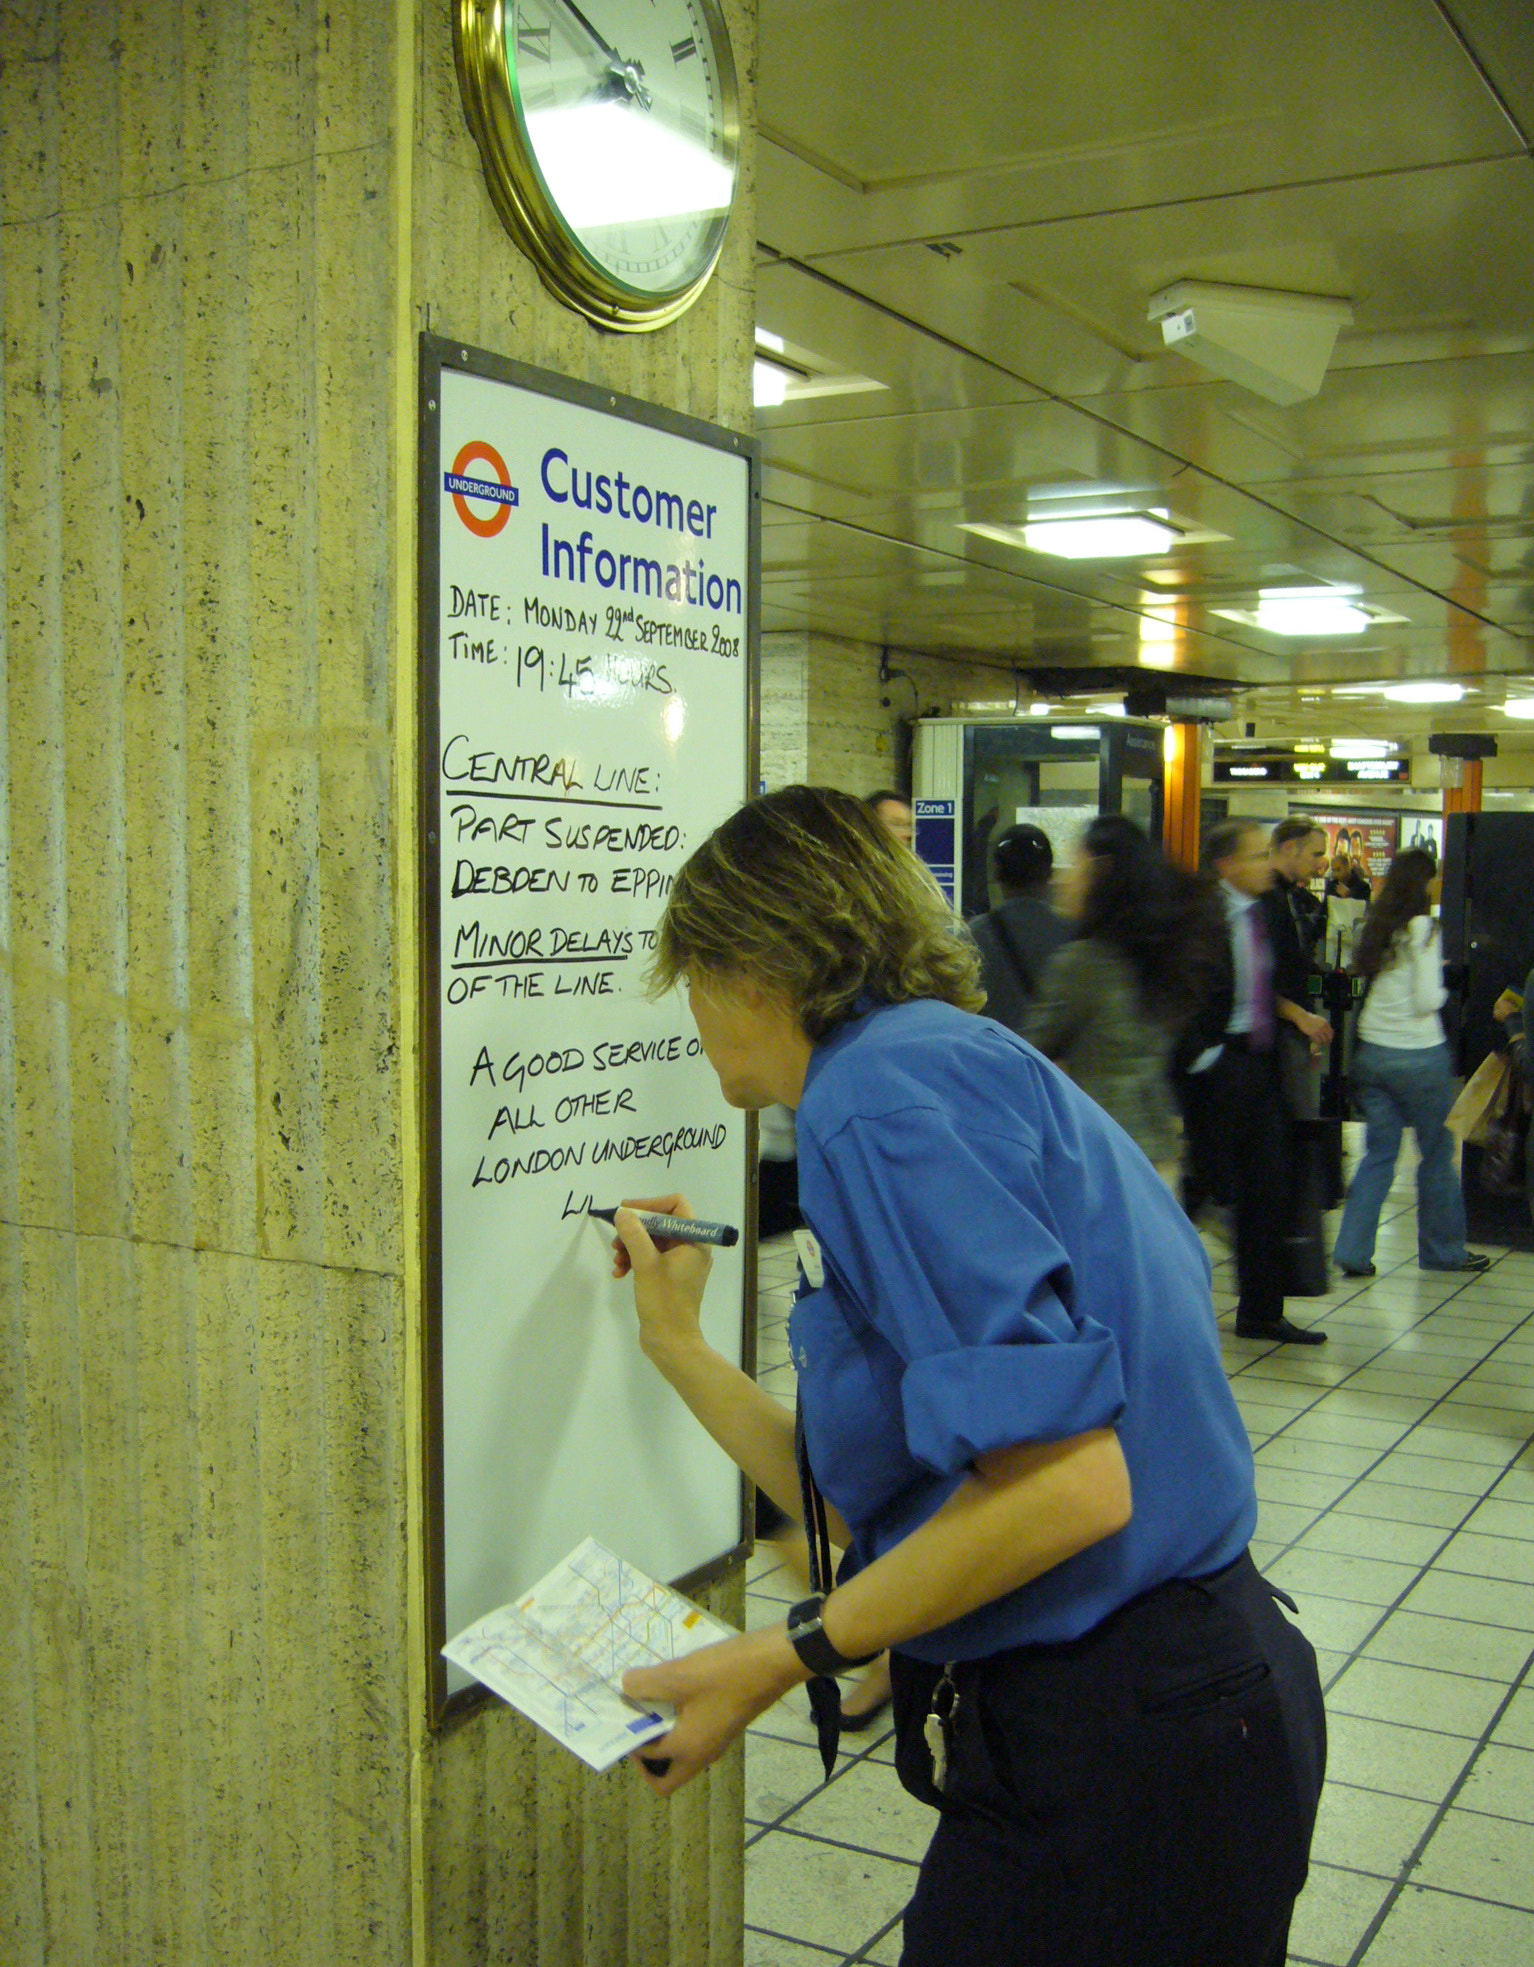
x=608 y=163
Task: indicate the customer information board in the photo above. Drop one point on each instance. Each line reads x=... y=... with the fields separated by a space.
x=588 y=706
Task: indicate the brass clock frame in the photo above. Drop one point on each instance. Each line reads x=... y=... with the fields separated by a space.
x=521 y=197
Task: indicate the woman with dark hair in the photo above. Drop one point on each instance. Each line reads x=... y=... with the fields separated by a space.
x=1013 y=1419
x=1402 y=1075
x=1113 y=1003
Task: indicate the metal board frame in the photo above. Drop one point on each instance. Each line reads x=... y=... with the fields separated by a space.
x=438 y=354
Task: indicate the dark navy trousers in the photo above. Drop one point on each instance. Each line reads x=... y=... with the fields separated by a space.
x=1143 y=1796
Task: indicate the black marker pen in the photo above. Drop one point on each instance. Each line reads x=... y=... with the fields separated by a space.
x=678 y=1229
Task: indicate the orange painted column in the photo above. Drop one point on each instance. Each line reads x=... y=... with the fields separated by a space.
x=1182 y=791
x=1466 y=796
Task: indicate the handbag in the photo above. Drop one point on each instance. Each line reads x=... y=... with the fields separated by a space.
x=1505 y=1135
x=1482 y=1097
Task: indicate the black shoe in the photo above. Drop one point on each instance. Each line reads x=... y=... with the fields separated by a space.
x=1280 y=1332
x=1358 y=1270
x=1476 y=1261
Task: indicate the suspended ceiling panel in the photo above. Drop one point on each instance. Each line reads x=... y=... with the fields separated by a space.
x=971 y=211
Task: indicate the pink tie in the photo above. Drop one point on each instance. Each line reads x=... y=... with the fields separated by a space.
x=1260 y=957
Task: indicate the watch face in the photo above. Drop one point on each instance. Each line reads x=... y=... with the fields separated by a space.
x=627 y=112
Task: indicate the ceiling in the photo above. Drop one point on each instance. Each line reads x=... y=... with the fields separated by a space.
x=972 y=206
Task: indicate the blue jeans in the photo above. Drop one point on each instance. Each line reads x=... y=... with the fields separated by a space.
x=1398 y=1089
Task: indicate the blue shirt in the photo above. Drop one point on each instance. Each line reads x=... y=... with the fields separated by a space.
x=1002 y=1264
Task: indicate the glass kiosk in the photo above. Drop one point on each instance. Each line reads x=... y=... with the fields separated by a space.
x=973 y=777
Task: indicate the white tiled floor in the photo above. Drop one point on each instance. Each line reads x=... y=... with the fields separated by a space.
x=1396 y=1482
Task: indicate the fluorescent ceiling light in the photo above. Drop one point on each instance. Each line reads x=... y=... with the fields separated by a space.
x=1362 y=748
x=663 y=175
x=1309 y=611
x=1108 y=709
x=1100 y=536
x=1423 y=692
x=769 y=384
x=1519 y=707
x=1046 y=709
x=1313 y=611
x=765 y=338
x=1074 y=731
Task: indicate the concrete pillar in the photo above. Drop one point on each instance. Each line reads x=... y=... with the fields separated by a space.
x=1181 y=794
x=223 y=228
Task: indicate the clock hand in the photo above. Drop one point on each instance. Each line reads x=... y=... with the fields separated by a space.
x=628 y=74
x=610 y=52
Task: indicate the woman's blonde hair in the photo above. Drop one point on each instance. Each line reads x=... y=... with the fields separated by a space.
x=804 y=893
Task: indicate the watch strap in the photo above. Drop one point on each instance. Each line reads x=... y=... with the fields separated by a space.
x=812 y=1643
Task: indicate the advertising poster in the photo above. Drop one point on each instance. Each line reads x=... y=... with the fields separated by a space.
x=1368 y=843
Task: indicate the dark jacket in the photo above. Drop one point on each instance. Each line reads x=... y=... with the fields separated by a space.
x=1295 y=920
x=1015 y=942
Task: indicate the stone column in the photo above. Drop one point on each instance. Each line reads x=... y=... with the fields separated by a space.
x=223 y=228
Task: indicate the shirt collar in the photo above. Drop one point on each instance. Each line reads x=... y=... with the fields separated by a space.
x=1235 y=902
x=834 y=1041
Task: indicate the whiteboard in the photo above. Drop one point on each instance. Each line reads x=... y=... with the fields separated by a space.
x=588 y=627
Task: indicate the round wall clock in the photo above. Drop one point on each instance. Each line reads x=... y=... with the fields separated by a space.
x=609 y=132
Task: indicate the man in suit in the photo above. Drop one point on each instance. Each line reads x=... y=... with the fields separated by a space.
x=1296 y=920
x=1237 y=1124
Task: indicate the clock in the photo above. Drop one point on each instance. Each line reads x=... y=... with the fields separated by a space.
x=609 y=131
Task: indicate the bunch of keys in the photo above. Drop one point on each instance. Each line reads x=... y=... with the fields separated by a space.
x=938 y=1728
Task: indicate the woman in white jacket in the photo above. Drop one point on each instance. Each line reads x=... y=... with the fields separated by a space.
x=1402 y=1075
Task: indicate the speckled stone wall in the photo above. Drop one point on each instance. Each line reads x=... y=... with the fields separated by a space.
x=823 y=709
x=529 y=1860
x=220 y=226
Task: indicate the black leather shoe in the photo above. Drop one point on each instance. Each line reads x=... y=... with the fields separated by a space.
x=1358 y=1270
x=1280 y=1332
x=1476 y=1261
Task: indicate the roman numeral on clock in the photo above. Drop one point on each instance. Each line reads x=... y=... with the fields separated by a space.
x=680 y=50
x=533 y=42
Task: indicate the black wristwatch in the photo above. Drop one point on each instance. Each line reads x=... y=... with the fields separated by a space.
x=808 y=1638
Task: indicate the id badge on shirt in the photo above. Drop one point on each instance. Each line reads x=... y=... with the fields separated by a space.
x=810 y=1259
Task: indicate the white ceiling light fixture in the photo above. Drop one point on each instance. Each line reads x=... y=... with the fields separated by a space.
x=785 y=372
x=1423 y=692
x=1310 y=611
x=1274 y=343
x=1362 y=748
x=1520 y=707
x=1102 y=536
x=1313 y=611
x=769 y=384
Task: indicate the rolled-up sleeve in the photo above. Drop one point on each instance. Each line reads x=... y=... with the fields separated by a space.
x=947 y=1242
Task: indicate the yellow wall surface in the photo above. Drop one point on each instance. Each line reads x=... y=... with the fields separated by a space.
x=220 y=229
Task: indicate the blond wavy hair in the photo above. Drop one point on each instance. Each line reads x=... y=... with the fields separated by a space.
x=804 y=894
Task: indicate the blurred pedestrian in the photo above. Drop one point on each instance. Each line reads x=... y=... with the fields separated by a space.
x=895 y=814
x=1296 y=921
x=1113 y=1002
x=1017 y=938
x=1345 y=881
x=1403 y=1076
x=1238 y=1126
